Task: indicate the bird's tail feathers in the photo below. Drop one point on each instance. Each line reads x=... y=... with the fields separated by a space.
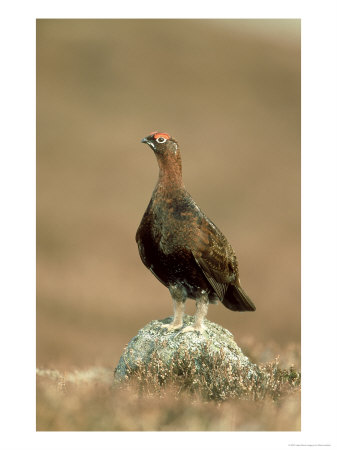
x=237 y=300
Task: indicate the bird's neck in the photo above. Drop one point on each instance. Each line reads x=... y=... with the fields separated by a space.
x=170 y=171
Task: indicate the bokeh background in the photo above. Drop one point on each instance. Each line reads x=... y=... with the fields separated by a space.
x=229 y=91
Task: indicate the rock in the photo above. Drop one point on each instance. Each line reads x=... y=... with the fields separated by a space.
x=215 y=346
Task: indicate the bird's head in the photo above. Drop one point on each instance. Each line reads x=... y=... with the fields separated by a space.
x=167 y=152
x=161 y=143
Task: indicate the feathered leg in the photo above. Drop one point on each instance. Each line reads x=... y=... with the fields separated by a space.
x=202 y=308
x=179 y=298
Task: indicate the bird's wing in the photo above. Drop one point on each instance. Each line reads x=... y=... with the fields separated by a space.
x=215 y=257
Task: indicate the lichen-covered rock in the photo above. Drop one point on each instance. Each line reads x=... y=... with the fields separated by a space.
x=215 y=343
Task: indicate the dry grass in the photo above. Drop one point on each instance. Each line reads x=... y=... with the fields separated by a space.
x=157 y=398
x=219 y=382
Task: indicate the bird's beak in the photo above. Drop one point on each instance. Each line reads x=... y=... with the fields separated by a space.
x=148 y=142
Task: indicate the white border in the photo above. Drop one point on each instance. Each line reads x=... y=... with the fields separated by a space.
x=17 y=177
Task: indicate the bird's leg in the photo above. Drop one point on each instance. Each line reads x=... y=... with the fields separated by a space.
x=179 y=298
x=202 y=307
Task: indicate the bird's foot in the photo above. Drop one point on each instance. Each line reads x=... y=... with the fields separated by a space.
x=172 y=326
x=194 y=328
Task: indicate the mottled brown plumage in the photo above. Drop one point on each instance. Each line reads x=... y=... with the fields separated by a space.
x=182 y=247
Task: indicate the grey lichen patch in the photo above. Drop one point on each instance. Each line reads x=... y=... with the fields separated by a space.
x=215 y=345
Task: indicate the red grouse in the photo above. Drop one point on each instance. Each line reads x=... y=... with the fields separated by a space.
x=182 y=247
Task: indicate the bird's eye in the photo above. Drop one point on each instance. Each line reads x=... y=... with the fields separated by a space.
x=160 y=140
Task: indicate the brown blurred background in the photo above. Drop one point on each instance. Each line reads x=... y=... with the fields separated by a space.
x=229 y=91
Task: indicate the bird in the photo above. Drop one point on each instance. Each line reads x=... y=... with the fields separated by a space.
x=182 y=247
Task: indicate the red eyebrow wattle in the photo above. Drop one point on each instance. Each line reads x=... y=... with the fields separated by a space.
x=163 y=135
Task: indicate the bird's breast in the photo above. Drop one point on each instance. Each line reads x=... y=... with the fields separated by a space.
x=176 y=223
